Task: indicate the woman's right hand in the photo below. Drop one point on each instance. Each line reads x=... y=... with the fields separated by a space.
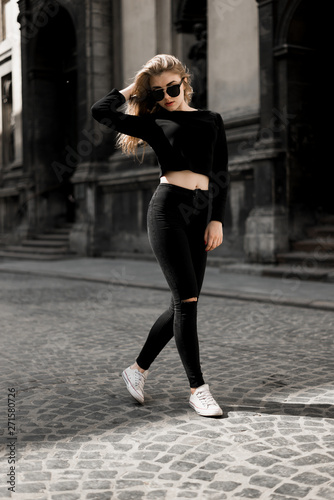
x=127 y=92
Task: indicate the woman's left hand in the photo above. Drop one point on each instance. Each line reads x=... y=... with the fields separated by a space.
x=213 y=235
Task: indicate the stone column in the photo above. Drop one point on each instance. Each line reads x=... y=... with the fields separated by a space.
x=97 y=69
x=27 y=200
x=267 y=224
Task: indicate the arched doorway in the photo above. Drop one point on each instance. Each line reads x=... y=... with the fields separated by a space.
x=303 y=88
x=53 y=84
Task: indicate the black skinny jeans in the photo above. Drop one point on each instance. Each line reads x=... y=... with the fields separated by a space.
x=177 y=218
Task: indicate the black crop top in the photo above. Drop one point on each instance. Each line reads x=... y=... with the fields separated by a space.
x=181 y=140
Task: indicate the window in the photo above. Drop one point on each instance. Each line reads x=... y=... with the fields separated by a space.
x=7 y=120
x=3 y=19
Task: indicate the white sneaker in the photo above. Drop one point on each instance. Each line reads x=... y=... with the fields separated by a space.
x=135 y=381
x=203 y=402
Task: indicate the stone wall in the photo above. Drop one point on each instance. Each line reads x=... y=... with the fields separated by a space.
x=233 y=58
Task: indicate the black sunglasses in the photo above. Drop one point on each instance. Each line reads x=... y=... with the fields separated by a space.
x=172 y=91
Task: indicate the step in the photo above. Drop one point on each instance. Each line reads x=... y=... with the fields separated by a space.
x=44 y=246
x=50 y=236
x=315 y=244
x=316 y=231
x=307 y=259
x=39 y=250
x=44 y=243
x=33 y=256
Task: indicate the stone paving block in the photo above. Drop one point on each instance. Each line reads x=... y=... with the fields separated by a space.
x=147 y=466
x=293 y=490
x=187 y=494
x=285 y=452
x=138 y=475
x=224 y=485
x=65 y=475
x=102 y=474
x=328 y=469
x=278 y=441
x=203 y=475
x=195 y=457
x=123 y=484
x=262 y=461
x=35 y=476
x=166 y=459
x=241 y=469
x=249 y=493
x=101 y=495
x=96 y=485
x=281 y=497
x=308 y=447
x=30 y=465
x=325 y=493
x=64 y=455
x=314 y=459
x=131 y=495
x=264 y=480
x=310 y=478
x=156 y=495
x=212 y=449
x=179 y=449
x=170 y=476
x=89 y=455
x=182 y=466
x=31 y=488
x=213 y=466
x=281 y=470
x=65 y=496
x=64 y=486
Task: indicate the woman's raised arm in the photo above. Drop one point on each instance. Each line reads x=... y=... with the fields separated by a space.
x=106 y=112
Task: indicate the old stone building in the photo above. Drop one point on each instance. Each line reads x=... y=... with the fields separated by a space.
x=11 y=151
x=260 y=63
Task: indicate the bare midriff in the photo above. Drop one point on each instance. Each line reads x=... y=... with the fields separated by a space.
x=186 y=179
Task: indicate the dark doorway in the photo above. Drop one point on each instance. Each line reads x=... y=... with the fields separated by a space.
x=53 y=81
x=311 y=175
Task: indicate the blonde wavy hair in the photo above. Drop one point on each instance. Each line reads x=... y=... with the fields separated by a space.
x=140 y=104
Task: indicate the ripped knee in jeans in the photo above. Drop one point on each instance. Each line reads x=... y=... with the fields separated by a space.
x=192 y=299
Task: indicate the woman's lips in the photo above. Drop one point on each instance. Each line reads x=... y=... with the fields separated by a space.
x=169 y=103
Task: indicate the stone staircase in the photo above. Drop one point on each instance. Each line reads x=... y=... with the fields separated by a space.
x=317 y=251
x=53 y=245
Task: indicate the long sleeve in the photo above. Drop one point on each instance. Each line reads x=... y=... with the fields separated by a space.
x=219 y=179
x=105 y=112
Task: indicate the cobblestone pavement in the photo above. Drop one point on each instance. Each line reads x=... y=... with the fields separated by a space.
x=80 y=435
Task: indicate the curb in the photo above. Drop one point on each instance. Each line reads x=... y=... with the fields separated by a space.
x=256 y=297
x=234 y=265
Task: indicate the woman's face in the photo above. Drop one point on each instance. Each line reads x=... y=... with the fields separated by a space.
x=163 y=81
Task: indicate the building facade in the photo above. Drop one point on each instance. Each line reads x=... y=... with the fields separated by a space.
x=12 y=181
x=260 y=63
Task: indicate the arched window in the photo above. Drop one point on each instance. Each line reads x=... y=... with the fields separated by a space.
x=3 y=19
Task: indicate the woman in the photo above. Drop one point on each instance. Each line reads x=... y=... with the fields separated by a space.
x=186 y=213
